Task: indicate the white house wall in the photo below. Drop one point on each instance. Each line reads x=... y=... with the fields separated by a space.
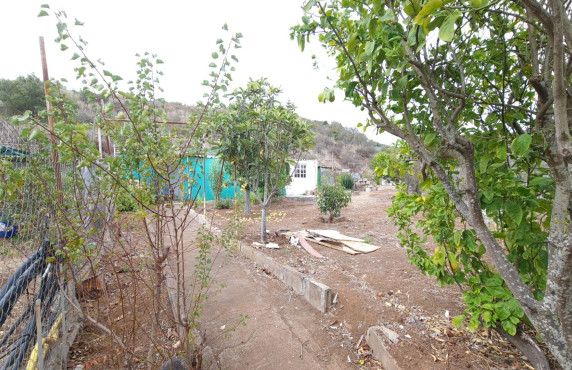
x=300 y=185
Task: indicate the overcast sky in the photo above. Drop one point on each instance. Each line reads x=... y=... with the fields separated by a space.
x=183 y=34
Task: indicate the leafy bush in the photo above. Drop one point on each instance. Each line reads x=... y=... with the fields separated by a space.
x=331 y=199
x=223 y=204
x=346 y=180
x=216 y=178
x=125 y=200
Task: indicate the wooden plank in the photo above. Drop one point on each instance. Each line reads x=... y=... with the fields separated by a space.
x=307 y=246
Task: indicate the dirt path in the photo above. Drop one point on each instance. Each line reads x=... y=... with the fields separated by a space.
x=380 y=288
x=282 y=331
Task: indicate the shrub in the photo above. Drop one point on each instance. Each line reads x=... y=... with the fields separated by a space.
x=331 y=199
x=346 y=180
x=223 y=203
x=125 y=200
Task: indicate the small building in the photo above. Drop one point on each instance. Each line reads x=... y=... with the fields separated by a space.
x=304 y=178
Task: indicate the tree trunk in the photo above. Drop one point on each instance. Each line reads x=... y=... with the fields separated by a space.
x=247 y=202
x=528 y=347
x=263 y=224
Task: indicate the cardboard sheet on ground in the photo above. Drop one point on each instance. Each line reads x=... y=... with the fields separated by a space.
x=361 y=247
x=345 y=241
x=336 y=235
x=326 y=242
x=307 y=246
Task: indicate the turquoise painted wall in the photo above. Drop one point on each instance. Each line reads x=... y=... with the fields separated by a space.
x=195 y=185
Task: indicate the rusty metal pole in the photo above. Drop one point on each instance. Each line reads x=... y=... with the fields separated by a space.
x=51 y=124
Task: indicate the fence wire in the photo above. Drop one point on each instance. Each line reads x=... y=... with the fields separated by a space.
x=30 y=237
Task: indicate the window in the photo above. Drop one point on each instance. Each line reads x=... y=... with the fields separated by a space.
x=300 y=171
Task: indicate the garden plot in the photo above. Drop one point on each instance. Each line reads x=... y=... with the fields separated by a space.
x=380 y=287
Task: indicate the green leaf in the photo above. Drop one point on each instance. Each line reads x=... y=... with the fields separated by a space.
x=350 y=88
x=369 y=47
x=427 y=9
x=45 y=6
x=501 y=152
x=75 y=56
x=483 y=163
x=376 y=6
x=78 y=23
x=487 y=316
x=447 y=29
x=301 y=42
x=514 y=211
x=541 y=181
x=225 y=27
x=214 y=55
x=429 y=138
x=457 y=237
x=34 y=134
x=388 y=16
x=509 y=327
x=352 y=41
x=521 y=144
x=309 y=5
x=458 y=320
x=109 y=106
x=42 y=13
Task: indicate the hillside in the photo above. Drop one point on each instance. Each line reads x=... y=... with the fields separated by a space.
x=336 y=145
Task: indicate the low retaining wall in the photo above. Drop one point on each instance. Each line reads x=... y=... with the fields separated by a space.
x=319 y=295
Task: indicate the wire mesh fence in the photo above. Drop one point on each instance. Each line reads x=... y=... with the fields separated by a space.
x=32 y=252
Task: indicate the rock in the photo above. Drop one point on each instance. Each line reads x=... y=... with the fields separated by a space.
x=175 y=363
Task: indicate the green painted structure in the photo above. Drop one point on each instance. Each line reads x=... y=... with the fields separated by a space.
x=194 y=188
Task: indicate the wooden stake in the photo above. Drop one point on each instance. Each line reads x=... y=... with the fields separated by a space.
x=51 y=124
x=39 y=334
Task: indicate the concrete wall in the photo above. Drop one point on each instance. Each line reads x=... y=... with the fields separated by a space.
x=300 y=185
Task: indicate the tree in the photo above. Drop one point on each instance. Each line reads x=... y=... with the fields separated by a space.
x=22 y=94
x=261 y=137
x=216 y=178
x=382 y=165
x=332 y=198
x=478 y=92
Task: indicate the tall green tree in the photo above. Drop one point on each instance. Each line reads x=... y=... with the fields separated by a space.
x=21 y=94
x=262 y=137
x=479 y=90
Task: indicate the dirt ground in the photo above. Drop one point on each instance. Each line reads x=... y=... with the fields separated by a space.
x=282 y=330
x=380 y=288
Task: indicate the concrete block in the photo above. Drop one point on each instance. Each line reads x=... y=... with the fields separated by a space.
x=248 y=251
x=319 y=295
x=294 y=279
x=261 y=259
x=275 y=268
x=375 y=338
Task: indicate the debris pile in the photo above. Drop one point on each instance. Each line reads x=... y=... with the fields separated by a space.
x=332 y=239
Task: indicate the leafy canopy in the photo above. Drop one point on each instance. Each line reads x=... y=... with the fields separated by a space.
x=476 y=93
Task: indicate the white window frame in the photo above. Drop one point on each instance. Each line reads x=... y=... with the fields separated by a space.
x=300 y=171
